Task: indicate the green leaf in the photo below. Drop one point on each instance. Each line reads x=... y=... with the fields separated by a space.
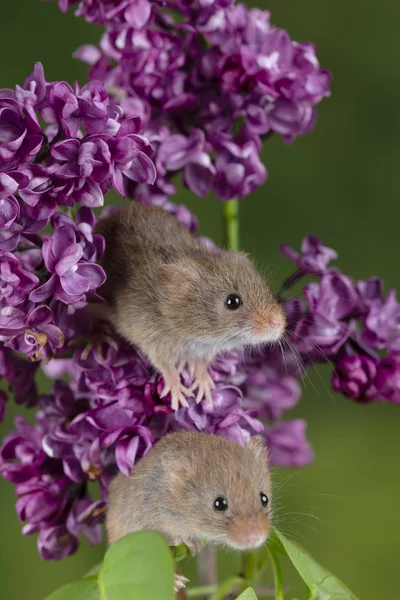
x=94 y=570
x=322 y=584
x=83 y=589
x=138 y=567
x=248 y=594
x=180 y=552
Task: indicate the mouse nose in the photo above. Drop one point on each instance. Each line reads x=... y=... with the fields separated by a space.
x=254 y=539
x=245 y=533
x=277 y=322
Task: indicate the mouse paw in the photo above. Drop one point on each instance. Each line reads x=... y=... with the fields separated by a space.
x=179 y=393
x=180 y=582
x=98 y=336
x=203 y=383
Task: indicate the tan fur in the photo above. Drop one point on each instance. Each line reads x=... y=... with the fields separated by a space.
x=167 y=291
x=173 y=488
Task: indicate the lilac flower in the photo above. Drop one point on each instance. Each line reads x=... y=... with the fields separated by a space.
x=55 y=543
x=71 y=279
x=330 y=302
x=15 y=282
x=382 y=324
x=188 y=153
x=86 y=107
x=388 y=378
x=24 y=445
x=86 y=164
x=85 y=518
x=9 y=208
x=25 y=229
x=239 y=170
x=20 y=135
x=33 y=332
x=270 y=393
x=355 y=376
x=225 y=417
x=131 y=441
x=287 y=444
x=130 y=156
x=313 y=257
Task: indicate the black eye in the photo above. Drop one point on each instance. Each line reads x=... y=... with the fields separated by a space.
x=264 y=499
x=220 y=503
x=233 y=301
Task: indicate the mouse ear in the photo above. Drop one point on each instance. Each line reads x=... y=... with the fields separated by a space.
x=177 y=277
x=177 y=469
x=257 y=445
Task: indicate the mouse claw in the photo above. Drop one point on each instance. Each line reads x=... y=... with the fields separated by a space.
x=180 y=582
x=98 y=337
x=203 y=383
x=179 y=392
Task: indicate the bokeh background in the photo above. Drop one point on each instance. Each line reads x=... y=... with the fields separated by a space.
x=341 y=182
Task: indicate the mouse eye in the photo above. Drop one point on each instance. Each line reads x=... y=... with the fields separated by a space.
x=220 y=503
x=233 y=301
x=264 y=499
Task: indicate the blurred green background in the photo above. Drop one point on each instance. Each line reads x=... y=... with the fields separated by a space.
x=341 y=182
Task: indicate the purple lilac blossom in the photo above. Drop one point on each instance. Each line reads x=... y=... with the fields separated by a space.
x=217 y=75
x=197 y=97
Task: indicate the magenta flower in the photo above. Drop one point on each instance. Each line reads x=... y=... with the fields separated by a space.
x=355 y=376
x=15 y=282
x=313 y=257
x=388 y=378
x=71 y=279
x=288 y=445
x=130 y=156
x=20 y=135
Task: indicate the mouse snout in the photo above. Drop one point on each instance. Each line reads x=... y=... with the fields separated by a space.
x=248 y=532
x=269 y=324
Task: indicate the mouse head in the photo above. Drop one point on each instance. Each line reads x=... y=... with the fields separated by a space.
x=219 y=295
x=227 y=492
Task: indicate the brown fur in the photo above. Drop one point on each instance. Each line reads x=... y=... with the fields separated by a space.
x=167 y=291
x=173 y=488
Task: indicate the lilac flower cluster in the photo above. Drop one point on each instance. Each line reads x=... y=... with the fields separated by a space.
x=196 y=95
x=210 y=81
x=84 y=148
x=351 y=324
x=62 y=149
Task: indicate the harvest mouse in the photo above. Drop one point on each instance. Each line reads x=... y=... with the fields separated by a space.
x=195 y=488
x=180 y=302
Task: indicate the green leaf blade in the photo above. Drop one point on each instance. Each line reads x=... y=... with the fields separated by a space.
x=83 y=589
x=138 y=566
x=248 y=594
x=322 y=584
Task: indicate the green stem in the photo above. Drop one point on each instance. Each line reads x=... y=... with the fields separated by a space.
x=277 y=573
x=231 y=217
x=250 y=566
x=204 y=590
x=226 y=587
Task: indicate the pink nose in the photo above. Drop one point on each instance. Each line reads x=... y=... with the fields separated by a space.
x=256 y=538
x=276 y=322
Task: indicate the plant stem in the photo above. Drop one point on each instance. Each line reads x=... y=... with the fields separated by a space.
x=207 y=568
x=231 y=218
x=226 y=587
x=204 y=590
x=277 y=572
x=250 y=566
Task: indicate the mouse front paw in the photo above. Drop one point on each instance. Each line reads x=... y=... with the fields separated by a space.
x=203 y=383
x=100 y=337
x=179 y=582
x=179 y=393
